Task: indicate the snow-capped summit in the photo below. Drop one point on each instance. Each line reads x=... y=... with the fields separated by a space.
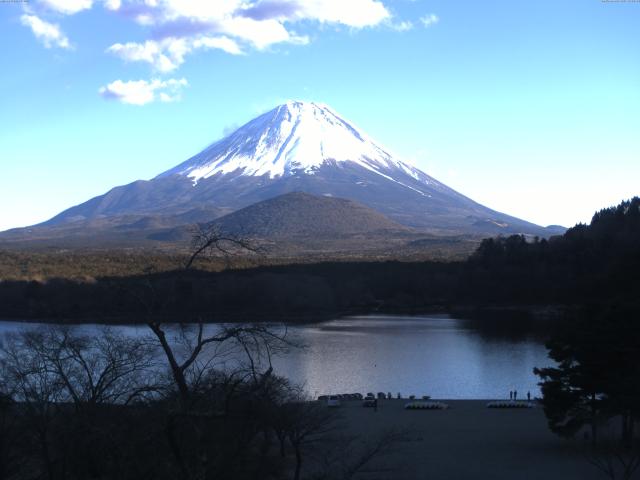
x=292 y=138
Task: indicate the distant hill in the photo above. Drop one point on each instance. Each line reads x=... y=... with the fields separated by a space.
x=301 y=215
x=299 y=223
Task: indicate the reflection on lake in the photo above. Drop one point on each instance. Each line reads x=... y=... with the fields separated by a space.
x=428 y=355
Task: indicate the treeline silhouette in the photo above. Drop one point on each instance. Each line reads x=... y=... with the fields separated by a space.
x=596 y=263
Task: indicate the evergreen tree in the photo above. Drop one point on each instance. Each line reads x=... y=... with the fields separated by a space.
x=597 y=375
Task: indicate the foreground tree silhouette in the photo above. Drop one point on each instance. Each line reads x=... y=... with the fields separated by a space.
x=10 y=434
x=192 y=350
x=63 y=387
x=203 y=398
x=87 y=411
x=597 y=377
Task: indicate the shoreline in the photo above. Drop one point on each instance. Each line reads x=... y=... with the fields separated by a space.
x=477 y=314
x=469 y=441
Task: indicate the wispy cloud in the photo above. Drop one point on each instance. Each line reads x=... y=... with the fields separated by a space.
x=142 y=92
x=268 y=9
x=403 y=26
x=430 y=20
x=221 y=43
x=164 y=56
x=112 y=4
x=49 y=34
x=67 y=7
x=168 y=54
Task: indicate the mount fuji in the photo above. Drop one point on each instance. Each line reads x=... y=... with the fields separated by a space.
x=296 y=147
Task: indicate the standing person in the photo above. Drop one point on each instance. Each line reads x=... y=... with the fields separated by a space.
x=510 y=394
x=515 y=394
x=528 y=396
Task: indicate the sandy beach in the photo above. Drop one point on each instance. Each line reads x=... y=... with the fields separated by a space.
x=469 y=441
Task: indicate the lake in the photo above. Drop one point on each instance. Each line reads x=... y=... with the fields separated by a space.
x=438 y=356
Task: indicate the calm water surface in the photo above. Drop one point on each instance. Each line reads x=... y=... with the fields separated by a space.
x=428 y=355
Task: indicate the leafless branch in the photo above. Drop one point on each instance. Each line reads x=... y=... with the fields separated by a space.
x=211 y=239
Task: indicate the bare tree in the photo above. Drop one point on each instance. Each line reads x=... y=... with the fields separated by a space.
x=10 y=459
x=109 y=368
x=198 y=356
x=193 y=353
x=307 y=423
x=37 y=390
x=255 y=341
x=212 y=239
x=50 y=369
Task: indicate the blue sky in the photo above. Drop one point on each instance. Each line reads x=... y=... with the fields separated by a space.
x=531 y=108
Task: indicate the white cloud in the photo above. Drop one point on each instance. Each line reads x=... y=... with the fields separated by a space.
x=221 y=43
x=429 y=20
x=48 y=33
x=167 y=10
x=67 y=7
x=168 y=54
x=166 y=98
x=353 y=13
x=141 y=92
x=112 y=4
x=259 y=33
x=164 y=56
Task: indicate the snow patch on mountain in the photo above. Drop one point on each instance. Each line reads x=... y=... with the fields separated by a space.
x=297 y=137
